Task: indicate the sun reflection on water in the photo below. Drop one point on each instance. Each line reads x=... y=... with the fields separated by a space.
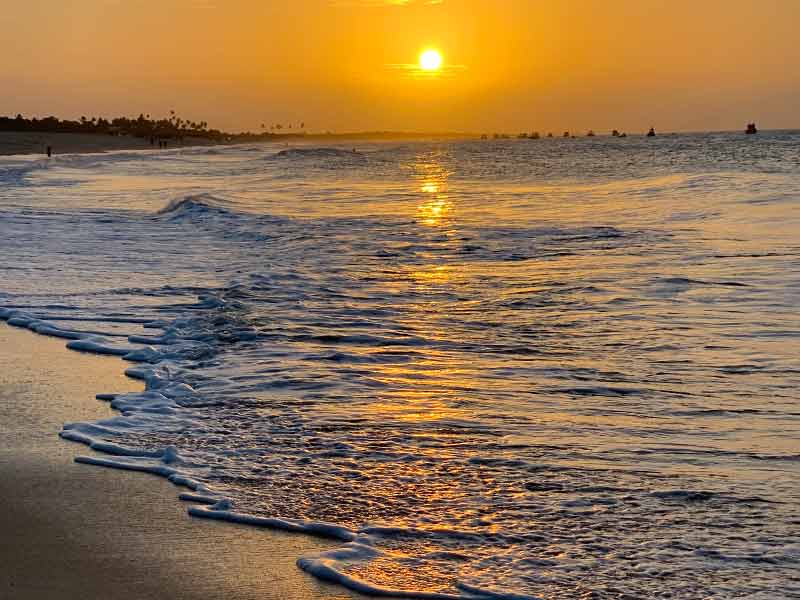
x=436 y=205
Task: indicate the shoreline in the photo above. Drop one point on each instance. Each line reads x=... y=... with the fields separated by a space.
x=22 y=143
x=106 y=532
x=32 y=143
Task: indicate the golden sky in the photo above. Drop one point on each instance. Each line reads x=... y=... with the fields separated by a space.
x=509 y=65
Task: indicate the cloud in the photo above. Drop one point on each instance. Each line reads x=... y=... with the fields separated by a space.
x=413 y=71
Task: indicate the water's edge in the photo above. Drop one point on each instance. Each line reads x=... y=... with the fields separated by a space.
x=206 y=504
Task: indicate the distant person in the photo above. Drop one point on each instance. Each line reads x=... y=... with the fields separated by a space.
x=49 y=151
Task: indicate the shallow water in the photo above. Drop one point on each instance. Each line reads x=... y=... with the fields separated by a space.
x=553 y=368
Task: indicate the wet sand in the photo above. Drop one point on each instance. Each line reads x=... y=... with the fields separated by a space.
x=74 y=531
x=20 y=142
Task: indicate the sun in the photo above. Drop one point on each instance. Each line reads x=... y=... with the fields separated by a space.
x=430 y=60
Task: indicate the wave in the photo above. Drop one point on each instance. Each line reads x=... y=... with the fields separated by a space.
x=195 y=205
x=321 y=152
x=687 y=281
x=15 y=172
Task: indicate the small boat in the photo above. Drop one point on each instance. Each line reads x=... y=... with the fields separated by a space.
x=566 y=134
x=751 y=129
x=615 y=133
x=623 y=134
x=651 y=133
x=590 y=133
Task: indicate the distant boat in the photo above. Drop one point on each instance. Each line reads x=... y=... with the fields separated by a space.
x=590 y=133
x=751 y=128
x=651 y=133
x=550 y=134
x=623 y=134
x=535 y=135
x=615 y=133
x=566 y=134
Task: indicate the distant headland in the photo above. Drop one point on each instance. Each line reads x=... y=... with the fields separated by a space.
x=32 y=135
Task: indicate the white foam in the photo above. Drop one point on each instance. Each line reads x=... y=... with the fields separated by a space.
x=99 y=345
x=220 y=513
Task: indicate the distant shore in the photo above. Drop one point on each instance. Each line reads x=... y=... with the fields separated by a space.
x=34 y=142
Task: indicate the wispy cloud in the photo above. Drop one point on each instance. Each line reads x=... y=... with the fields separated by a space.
x=413 y=71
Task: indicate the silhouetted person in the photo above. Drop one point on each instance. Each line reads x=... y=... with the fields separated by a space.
x=49 y=151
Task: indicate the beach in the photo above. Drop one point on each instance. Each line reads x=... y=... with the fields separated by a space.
x=21 y=142
x=554 y=368
x=77 y=531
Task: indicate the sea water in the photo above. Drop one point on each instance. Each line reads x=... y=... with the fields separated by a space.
x=516 y=369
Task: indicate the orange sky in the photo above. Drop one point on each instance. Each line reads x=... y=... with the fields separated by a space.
x=522 y=64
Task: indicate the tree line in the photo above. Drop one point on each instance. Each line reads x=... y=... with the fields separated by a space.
x=141 y=126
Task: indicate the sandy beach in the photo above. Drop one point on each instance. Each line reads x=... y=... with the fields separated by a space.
x=20 y=142
x=77 y=531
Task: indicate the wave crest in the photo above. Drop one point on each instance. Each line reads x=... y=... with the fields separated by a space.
x=195 y=205
x=305 y=153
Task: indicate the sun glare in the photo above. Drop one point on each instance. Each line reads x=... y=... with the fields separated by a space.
x=430 y=60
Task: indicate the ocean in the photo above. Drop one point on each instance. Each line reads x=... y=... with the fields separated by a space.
x=556 y=368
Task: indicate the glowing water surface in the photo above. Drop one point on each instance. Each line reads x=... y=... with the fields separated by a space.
x=553 y=368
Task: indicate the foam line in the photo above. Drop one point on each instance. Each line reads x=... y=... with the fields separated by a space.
x=161 y=470
x=324 y=566
x=98 y=345
x=319 y=529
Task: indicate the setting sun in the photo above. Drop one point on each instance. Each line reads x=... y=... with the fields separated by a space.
x=430 y=60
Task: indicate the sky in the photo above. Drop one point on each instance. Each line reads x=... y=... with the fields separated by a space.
x=347 y=65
